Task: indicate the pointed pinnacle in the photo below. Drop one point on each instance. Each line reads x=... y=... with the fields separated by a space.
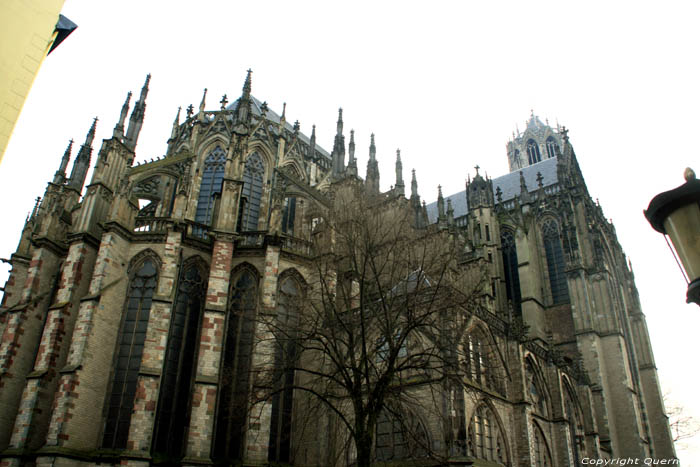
x=144 y=89
x=91 y=133
x=247 y=85
x=203 y=103
x=398 y=155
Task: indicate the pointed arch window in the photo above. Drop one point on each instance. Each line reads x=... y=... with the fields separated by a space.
x=574 y=420
x=253 y=175
x=485 y=439
x=480 y=363
x=399 y=438
x=235 y=375
x=552 y=147
x=288 y=298
x=555 y=262
x=542 y=457
x=212 y=177
x=533 y=152
x=288 y=214
x=131 y=339
x=535 y=390
x=510 y=269
x=178 y=373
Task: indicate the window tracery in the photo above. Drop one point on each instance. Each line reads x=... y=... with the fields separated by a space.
x=542 y=457
x=533 y=152
x=480 y=363
x=485 y=438
x=552 y=147
x=399 y=438
x=212 y=177
x=510 y=269
x=251 y=196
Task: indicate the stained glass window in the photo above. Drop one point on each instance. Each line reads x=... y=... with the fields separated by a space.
x=533 y=152
x=510 y=269
x=235 y=377
x=252 y=192
x=131 y=339
x=178 y=373
x=212 y=177
x=555 y=262
x=552 y=147
x=485 y=438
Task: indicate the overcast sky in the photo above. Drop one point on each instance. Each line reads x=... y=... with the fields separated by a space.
x=446 y=83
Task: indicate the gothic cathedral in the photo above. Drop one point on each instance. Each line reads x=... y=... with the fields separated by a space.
x=128 y=319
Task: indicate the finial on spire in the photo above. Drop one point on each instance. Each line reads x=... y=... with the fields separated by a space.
x=476 y=167
x=296 y=126
x=190 y=110
x=119 y=127
x=339 y=127
x=91 y=133
x=223 y=102
x=144 y=89
x=203 y=102
x=565 y=134
x=176 y=124
x=247 y=85
x=60 y=176
x=313 y=132
x=284 y=111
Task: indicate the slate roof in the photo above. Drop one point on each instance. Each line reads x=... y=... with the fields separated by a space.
x=509 y=184
x=273 y=117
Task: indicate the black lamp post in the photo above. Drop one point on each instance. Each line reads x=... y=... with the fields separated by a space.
x=676 y=213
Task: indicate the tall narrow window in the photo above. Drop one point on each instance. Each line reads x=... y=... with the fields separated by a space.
x=480 y=363
x=485 y=437
x=398 y=439
x=288 y=296
x=176 y=385
x=131 y=339
x=552 y=147
x=235 y=376
x=555 y=262
x=288 y=213
x=542 y=458
x=510 y=269
x=252 y=191
x=212 y=177
x=533 y=152
x=574 y=420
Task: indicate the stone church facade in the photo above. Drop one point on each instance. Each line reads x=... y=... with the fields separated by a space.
x=127 y=320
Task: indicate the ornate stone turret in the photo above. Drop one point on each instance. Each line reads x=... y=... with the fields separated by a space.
x=119 y=127
x=479 y=192
x=338 y=154
x=372 y=177
x=136 y=120
x=399 y=188
x=352 y=162
x=82 y=161
x=243 y=110
x=60 y=177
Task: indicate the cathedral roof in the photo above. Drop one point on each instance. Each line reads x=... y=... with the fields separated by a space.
x=274 y=118
x=509 y=185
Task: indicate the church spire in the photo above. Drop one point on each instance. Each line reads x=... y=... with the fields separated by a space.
x=136 y=120
x=176 y=124
x=352 y=162
x=372 y=168
x=82 y=160
x=119 y=127
x=60 y=177
x=399 y=187
x=244 y=103
x=440 y=205
x=200 y=116
x=414 y=184
x=339 y=148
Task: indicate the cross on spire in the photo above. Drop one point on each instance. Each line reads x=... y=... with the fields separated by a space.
x=223 y=102
x=477 y=168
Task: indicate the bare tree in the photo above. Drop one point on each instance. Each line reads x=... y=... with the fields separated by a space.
x=683 y=426
x=379 y=329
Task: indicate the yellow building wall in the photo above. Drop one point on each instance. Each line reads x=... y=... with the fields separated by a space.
x=26 y=34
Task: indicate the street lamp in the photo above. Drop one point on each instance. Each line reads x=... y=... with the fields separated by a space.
x=676 y=214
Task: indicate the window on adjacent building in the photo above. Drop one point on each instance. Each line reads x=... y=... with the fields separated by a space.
x=235 y=375
x=253 y=175
x=552 y=147
x=510 y=269
x=212 y=177
x=533 y=152
x=180 y=361
x=555 y=262
x=131 y=339
x=485 y=439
